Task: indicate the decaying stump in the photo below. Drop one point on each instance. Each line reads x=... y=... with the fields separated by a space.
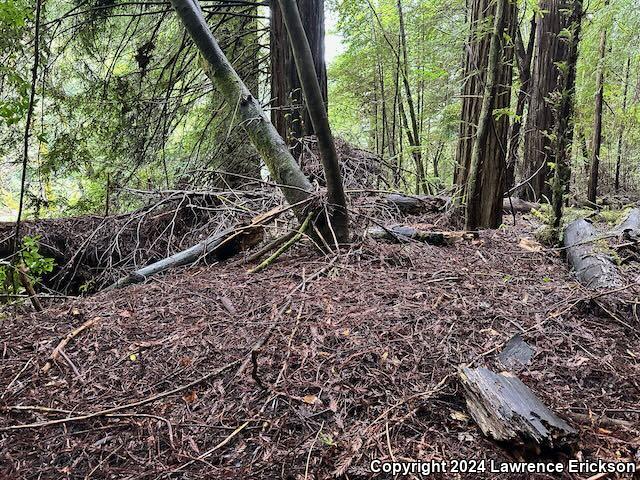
x=592 y=266
x=404 y=233
x=506 y=410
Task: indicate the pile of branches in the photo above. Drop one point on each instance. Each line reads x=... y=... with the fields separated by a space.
x=91 y=252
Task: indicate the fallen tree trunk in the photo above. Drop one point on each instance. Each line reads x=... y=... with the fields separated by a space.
x=404 y=233
x=592 y=266
x=223 y=245
x=416 y=204
x=506 y=410
x=516 y=204
x=630 y=226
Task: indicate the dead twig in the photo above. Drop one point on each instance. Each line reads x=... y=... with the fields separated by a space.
x=64 y=342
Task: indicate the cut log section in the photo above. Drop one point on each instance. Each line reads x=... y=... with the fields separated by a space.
x=592 y=266
x=506 y=410
x=404 y=233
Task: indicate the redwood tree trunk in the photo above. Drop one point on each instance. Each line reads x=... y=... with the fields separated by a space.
x=489 y=173
x=289 y=114
x=550 y=51
x=592 y=190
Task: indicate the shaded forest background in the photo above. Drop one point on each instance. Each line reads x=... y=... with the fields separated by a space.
x=122 y=104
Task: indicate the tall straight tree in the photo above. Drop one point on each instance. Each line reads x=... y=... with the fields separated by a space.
x=289 y=113
x=592 y=188
x=482 y=147
x=563 y=112
x=550 y=53
x=523 y=57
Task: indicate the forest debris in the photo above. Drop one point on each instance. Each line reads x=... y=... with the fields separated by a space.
x=592 y=266
x=506 y=410
x=516 y=354
x=515 y=204
x=404 y=233
x=65 y=341
x=415 y=204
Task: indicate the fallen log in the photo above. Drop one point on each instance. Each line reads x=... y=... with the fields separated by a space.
x=630 y=226
x=404 y=233
x=506 y=410
x=223 y=245
x=515 y=204
x=415 y=204
x=591 y=265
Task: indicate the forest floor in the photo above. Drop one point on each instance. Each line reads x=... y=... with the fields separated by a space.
x=359 y=362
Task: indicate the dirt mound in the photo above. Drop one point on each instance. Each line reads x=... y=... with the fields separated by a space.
x=359 y=363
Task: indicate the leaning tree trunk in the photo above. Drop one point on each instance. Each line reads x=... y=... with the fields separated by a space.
x=481 y=152
x=550 y=54
x=282 y=166
x=592 y=190
x=289 y=113
x=319 y=119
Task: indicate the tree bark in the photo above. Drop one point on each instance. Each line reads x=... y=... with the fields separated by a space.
x=524 y=71
x=563 y=113
x=480 y=169
x=621 y=132
x=549 y=53
x=319 y=120
x=591 y=265
x=592 y=191
x=289 y=113
x=282 y=166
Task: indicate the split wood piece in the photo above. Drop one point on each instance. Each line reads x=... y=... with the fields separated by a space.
x=592 y=267
x=506 y=410
x=23 y=274
x=516 y=354
x=403 y=233
x=65 y=341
